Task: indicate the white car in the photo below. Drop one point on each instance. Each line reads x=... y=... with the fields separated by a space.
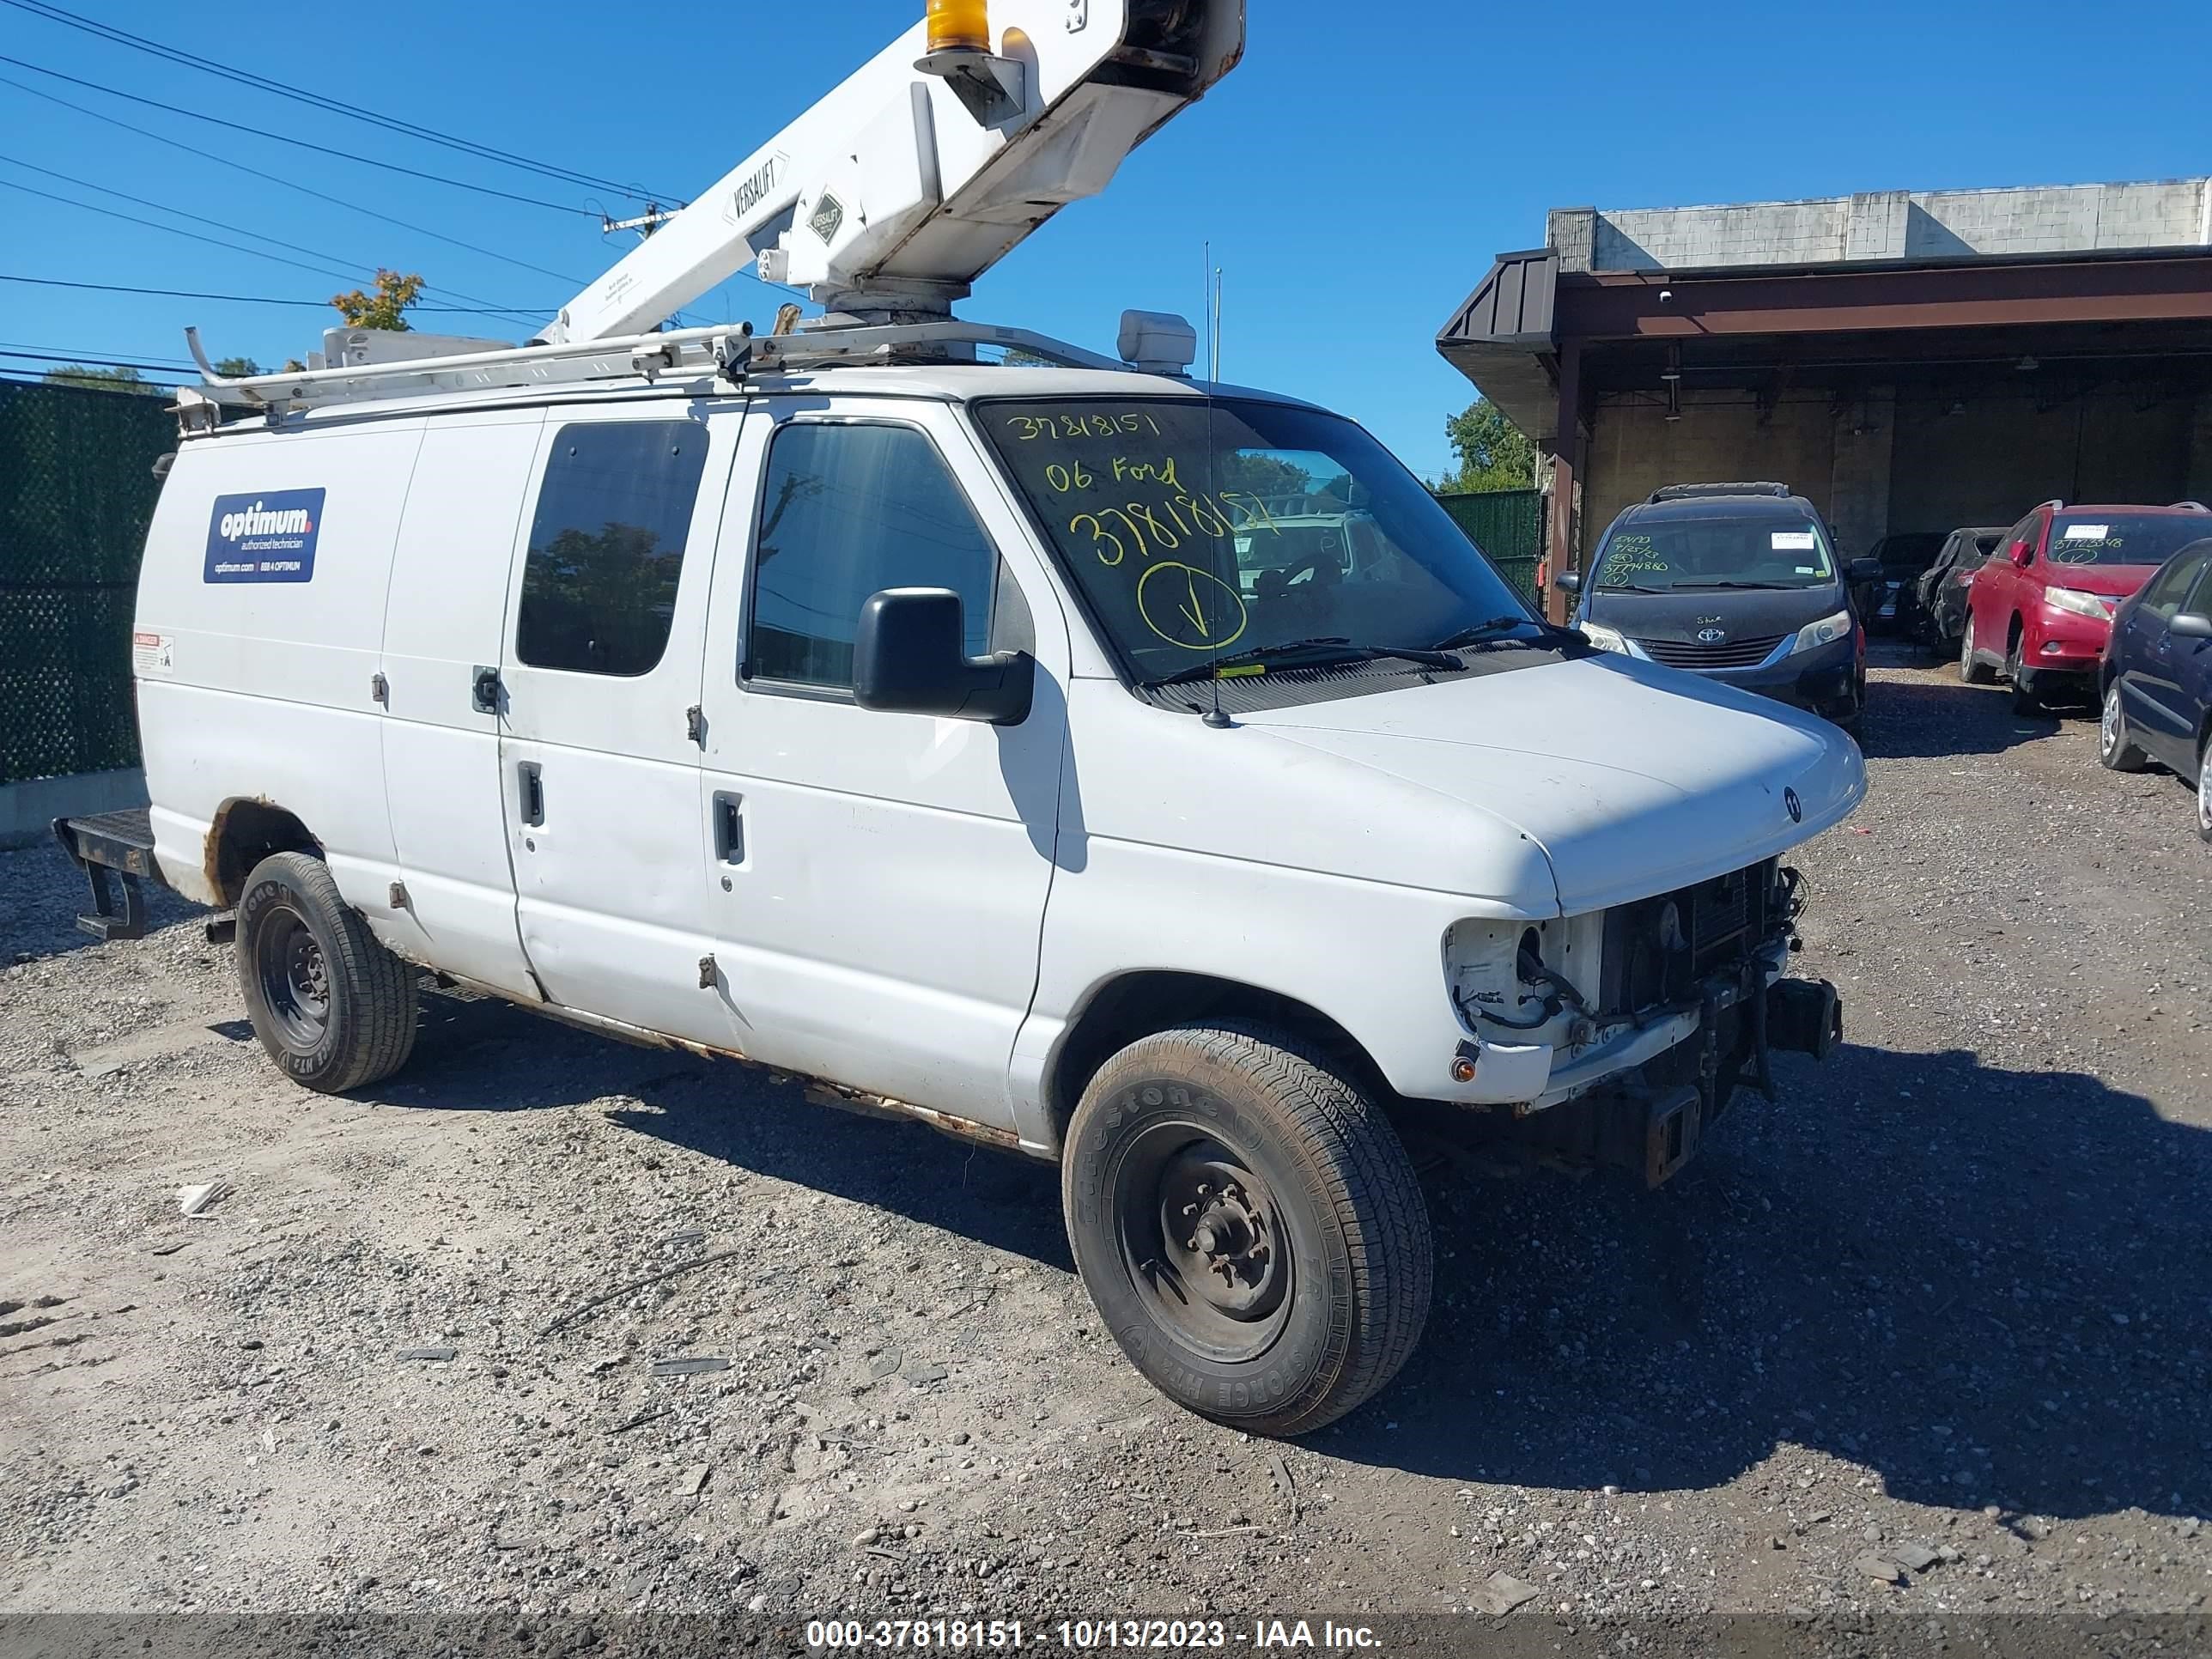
x=915 y=728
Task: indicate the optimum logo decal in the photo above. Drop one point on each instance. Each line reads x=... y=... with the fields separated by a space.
x=265 y=538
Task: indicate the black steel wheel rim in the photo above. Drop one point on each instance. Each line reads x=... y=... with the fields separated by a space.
x=295 y=984
x=1202 y=1242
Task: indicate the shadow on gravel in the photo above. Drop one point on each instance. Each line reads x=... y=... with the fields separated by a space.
x=1931 y=719
x=42 y=894
x=484 y=1055
x=1985 y=1286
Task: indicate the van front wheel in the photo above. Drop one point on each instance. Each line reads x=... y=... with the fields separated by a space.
x=332 y=1006
x=1248 y=1226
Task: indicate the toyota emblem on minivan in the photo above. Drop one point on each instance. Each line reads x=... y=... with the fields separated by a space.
x=1796 y=807
x=1711 y=635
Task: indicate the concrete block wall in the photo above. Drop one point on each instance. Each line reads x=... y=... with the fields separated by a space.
x=1878 y=225
x=1634 y=449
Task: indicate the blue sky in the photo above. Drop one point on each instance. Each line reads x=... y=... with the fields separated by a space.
x=1355 y=175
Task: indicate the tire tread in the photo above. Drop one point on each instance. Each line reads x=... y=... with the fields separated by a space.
x=1369 y=1181
x=380 y=988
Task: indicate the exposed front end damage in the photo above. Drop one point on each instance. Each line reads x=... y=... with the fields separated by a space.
x=1655 y=1012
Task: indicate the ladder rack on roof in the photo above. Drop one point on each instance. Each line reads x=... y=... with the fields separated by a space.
x=733 y=353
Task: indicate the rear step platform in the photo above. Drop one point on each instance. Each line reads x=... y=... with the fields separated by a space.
x=122 y=842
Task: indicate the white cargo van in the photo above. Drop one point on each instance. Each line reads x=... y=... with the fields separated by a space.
x=1003 y=742
x=1136 y=773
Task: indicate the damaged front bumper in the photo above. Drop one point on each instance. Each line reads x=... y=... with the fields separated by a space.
x=1643 y=1099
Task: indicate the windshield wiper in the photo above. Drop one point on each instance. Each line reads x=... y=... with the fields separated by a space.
x=1629 y=587
x=1476 y=633
x=1779 y=587
x=1334 y=648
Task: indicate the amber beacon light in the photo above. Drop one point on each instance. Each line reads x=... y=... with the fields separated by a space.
x=959 y=25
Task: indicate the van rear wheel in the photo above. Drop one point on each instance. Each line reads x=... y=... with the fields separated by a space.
x=1248 y=1226
x=332 y=1006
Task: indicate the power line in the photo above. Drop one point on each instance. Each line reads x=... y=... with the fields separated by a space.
x=88 y=359
x=132 y=218
x=204 y=119
x=256 y=299
x=244 y=77
x=98 y=115
x=320 y=196
x=350 y=273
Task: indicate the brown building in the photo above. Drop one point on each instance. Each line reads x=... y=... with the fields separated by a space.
x=1907 y=360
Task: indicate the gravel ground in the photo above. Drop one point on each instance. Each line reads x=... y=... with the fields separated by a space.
x=1929 y=1334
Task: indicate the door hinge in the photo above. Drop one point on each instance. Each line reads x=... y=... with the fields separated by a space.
x=695 y=724
x=706 y=973
x=379 y=689
x=484 y=688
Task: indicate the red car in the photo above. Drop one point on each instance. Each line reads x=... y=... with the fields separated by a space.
x=2048 y=591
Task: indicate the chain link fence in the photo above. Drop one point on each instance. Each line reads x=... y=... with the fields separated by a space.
x=1508 y=525
x=77 y=492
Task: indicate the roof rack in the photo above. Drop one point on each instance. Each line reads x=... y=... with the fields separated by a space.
x=730 y=353
x=1688 y=492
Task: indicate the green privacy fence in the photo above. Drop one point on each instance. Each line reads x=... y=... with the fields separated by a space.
x=76 y=491
x=1507 y=525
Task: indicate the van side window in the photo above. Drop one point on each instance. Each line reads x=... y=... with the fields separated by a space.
x=606 y=547
x=846 y=511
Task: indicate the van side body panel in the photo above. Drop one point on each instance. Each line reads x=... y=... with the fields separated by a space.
x=261 y=687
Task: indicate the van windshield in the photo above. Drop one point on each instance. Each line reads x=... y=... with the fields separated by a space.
x=1727 y=551
x=1203 y=532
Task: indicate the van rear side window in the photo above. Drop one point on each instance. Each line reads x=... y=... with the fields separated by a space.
x=606 y=546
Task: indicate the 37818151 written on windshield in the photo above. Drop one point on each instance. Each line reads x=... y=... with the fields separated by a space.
x=1204 y=531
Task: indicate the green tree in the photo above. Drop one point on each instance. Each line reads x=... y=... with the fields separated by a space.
x=1494 y=453
x=237 y=368
x=387 y=308
x=101 y=380
x=1257 y=473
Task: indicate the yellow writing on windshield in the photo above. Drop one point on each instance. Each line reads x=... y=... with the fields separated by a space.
x=1191 y=608
x=1032 y=429
x=1145 y=528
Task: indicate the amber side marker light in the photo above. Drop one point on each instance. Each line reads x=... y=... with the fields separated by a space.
x=959 y=25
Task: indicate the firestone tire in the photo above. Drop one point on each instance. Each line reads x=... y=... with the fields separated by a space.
x=334 y=1008
x=1302 y=1282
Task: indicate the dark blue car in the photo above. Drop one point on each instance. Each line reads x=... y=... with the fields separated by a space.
x=2157 y=677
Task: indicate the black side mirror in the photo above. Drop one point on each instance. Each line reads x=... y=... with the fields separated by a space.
x=1568 y=581
x=909 y=657
x=1862 y=570
x=2191 y=625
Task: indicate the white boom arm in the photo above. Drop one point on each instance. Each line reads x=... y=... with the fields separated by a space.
x=902 y=186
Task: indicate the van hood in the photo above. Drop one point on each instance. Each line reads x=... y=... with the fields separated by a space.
x=1632 y=779
x=1741 y=613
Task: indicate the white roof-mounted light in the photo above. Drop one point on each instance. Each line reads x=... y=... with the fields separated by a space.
x=1158 y=342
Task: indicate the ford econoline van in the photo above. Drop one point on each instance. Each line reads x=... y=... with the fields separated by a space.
x=1138 y=774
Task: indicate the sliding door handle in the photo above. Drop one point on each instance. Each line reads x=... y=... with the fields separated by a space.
x=730 y=829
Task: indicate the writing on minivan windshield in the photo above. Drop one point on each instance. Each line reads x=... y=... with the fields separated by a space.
x=1199 y=531
x=1740 y=552
x=2123 y=538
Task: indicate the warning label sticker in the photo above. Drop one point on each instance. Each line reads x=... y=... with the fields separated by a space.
x=152 y=654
